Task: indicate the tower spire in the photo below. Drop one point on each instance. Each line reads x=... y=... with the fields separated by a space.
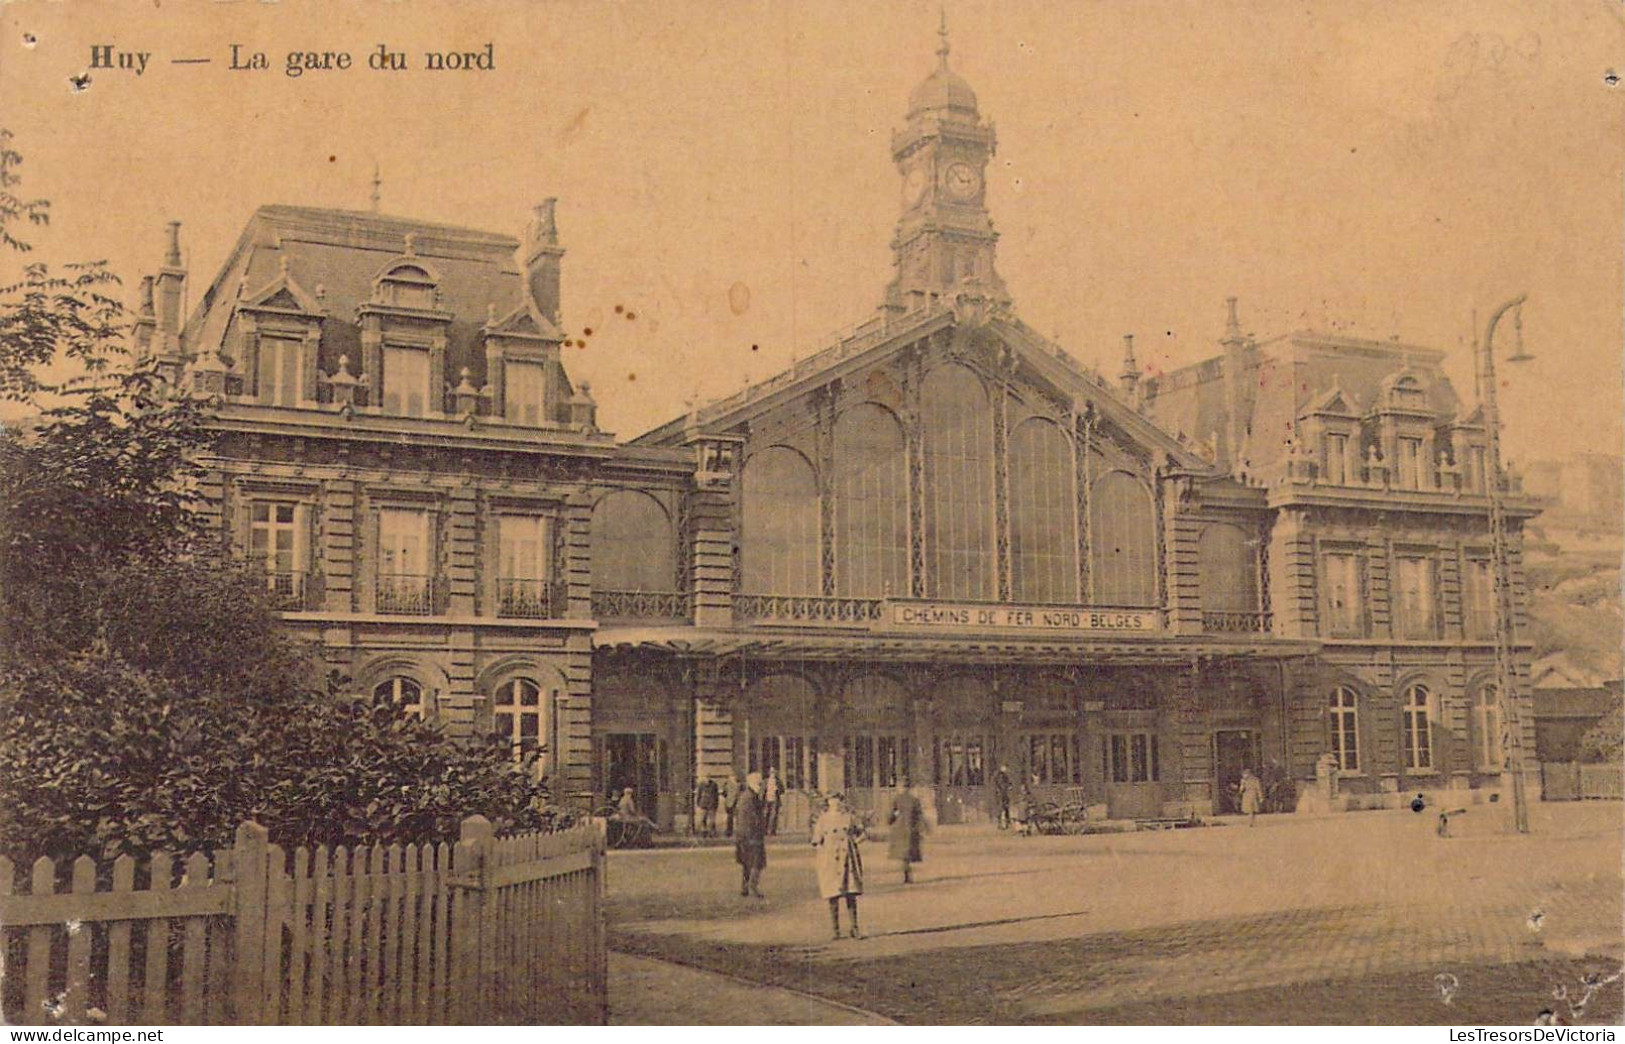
x=942 y=31
x=377 y=187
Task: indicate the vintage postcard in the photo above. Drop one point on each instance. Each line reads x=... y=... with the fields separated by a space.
x=826 y=513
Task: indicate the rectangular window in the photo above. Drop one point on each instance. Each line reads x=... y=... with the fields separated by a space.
x=523 y=588
x=405 y=581
x=1414 y=601
x=1134 y=758
x=1478 y=599
x=860 y=761
x=406 y=381
x=1473 y=473
x=1410 y=464
x=1342 y=602
x=522 y=392
x=1337 y=449
x=280 y=381
x=958 y=762
x=277 y=539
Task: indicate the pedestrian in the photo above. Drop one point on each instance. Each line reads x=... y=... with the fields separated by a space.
x=705 y=799
x=771 y=794
x=750 y=842
x=840 y=865
x=1251 y=796
x=728 y=796
x=1001 y=794
x=907 y=829
x=1023 y=811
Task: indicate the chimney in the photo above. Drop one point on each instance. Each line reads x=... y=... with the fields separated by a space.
x=1240 y=359
x=1129 y=378
x=145 y=320
x=171 y=280
x=542 y=259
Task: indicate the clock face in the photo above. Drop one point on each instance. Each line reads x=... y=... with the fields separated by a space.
x=962 y=181
x=914 y=186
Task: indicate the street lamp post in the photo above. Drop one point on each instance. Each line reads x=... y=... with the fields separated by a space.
x=1506 y=676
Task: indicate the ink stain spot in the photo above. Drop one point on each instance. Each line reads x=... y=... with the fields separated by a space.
x=631 y=315
x=631 y=376
x=29 y=40
x=738 y=298
x=586 y=331
x=755 y=347
x=332 y=159
x=1611 y=78
x=79 y=84
x=619 y=309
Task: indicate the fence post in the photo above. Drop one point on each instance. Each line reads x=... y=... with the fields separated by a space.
x=249 y=858
x=600 y=865
x=470 y=941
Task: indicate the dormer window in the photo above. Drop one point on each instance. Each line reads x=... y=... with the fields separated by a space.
x=524 y=392
x=406 y=381
x=406 y=286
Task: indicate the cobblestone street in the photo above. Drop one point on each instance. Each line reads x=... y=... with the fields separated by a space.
x=1366 y=917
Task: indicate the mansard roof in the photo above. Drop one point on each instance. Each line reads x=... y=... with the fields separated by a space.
x=335 y=257
x=861 y=347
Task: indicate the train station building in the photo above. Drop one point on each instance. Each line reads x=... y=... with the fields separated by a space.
x=936 y=546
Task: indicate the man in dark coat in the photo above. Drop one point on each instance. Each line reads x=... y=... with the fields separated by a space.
x=705 y=799
x=907 y=829
x=1001 y=794
x=750 y=835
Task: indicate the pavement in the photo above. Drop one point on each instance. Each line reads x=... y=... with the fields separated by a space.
x=647 y=992
x=1364 y=917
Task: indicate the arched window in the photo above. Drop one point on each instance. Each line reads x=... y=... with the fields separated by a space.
x=1123 y=542
x=517 y=714
x=871 y=504
x=1229 y=570
x=1343 y=719
x=1485 y=726
x=633 y=546
x=403 y=691
x=1416 y=733
x=779 y=543
x=959 y=542
x=1043 y=540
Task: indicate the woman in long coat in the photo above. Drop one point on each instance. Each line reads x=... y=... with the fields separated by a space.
x=1251 y=796
x=907 y=828
x=840 y=865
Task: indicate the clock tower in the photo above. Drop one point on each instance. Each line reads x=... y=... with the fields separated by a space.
x=944 y=240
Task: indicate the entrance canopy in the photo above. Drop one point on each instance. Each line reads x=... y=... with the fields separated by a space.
x=695 y=641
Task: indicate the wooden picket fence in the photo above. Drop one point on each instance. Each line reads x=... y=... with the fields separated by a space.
x=485 y=931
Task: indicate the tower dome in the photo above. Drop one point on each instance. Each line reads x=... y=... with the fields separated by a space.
x=944 y=88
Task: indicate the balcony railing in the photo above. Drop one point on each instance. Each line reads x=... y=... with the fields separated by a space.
x=1234 y=622
x=526 y=599
x=407 y=594
x=807 y=609
x=639 y=605
x=292 y=590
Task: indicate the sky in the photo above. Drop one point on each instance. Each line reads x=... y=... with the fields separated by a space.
x=1378 y=168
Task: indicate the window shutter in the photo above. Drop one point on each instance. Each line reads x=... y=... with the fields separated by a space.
x=308 y=374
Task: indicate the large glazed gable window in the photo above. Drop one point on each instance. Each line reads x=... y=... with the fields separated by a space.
x=633 y=547
x=779 y=544
x=1229 y=570
x=958 y=428
x=871 y=504
x=1043 y=539
x=1123 y=542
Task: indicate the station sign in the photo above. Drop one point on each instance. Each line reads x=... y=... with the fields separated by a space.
x=970 y=617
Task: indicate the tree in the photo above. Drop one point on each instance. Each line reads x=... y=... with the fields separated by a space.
x=148 y=696
x=1605 y=741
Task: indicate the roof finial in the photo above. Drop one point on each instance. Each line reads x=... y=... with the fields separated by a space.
x=942 y=31
x=1232 y=323
x=377 y=187
x=172 y=256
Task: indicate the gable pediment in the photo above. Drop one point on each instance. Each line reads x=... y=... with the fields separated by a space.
x=523 y=323
x=880 y=362
x=284 y=294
